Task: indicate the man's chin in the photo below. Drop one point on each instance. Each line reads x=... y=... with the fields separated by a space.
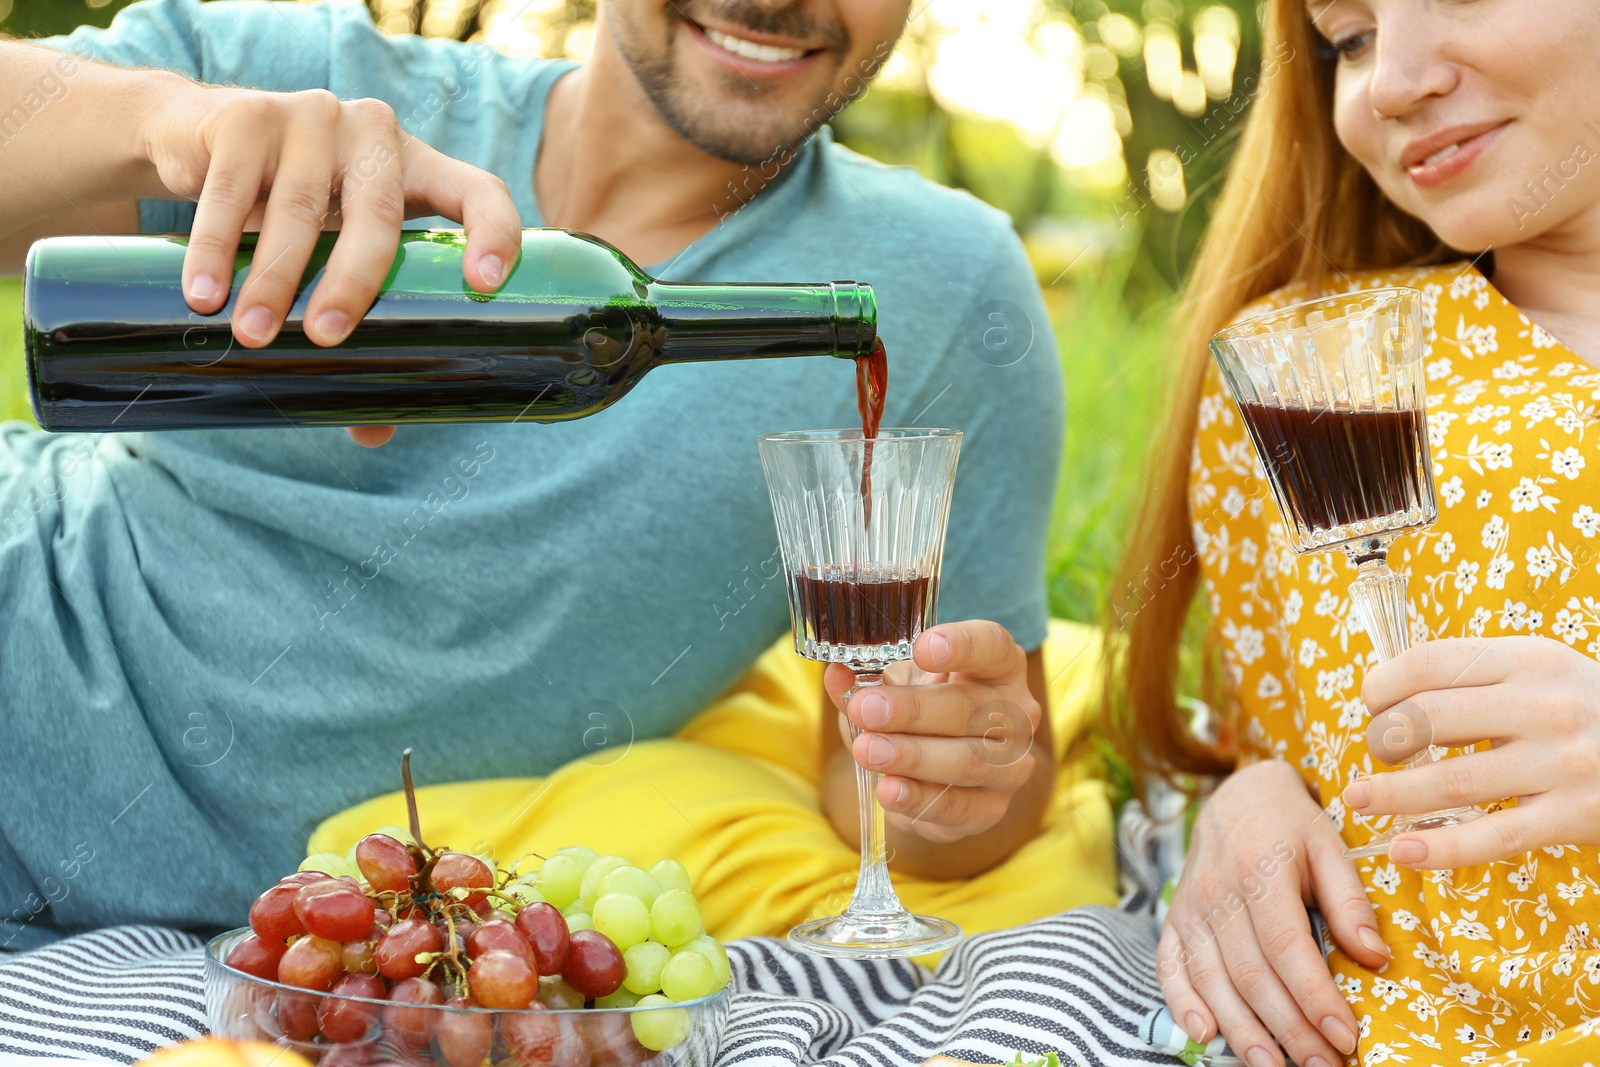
x=745 y=143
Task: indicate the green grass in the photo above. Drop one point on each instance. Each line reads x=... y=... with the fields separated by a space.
x=1114 y=361
x=13 y=376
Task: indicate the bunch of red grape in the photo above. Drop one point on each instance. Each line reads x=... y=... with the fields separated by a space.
x=395 y=930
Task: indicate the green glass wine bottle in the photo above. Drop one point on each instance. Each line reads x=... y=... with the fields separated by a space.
x=111 y=344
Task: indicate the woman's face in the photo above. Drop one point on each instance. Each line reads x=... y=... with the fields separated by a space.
x=1479 y=117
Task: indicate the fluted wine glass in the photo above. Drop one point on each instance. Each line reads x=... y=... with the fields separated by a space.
x=861 y=557
x=1331 y=392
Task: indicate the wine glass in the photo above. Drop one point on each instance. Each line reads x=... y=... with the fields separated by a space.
x=1331 y=392
x=861 y=526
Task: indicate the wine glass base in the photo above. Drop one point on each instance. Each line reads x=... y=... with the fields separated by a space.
x=1379 y=846
x=875 y=937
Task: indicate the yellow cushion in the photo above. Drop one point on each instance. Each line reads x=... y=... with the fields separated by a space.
x=734 y=797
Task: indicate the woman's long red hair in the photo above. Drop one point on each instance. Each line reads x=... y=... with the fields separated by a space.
x=1295 y=207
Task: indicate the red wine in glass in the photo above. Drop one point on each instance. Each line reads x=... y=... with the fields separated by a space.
x=854 y=605
x=1336 y=468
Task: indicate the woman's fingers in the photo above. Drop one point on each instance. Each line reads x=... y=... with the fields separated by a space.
x=1254 y=978
x=1172 y=971
x=1454 y=718
x=1283 y=931
x=1448 y=663
x=1339 y=895
x=437 y=184
x=296 y=208
x=1470 y=778
x=1507 y=832
x=372 y=206
x=1211 y=980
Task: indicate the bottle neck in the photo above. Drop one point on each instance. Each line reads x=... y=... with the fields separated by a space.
x=755 y=321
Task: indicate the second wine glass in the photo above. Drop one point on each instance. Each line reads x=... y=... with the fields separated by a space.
x=1331 y=392
x=862 y=560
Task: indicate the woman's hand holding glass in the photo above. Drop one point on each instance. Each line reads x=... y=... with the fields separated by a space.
x=1237 y=951
x=1536 y=700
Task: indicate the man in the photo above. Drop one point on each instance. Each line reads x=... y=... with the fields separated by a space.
x=199 y=660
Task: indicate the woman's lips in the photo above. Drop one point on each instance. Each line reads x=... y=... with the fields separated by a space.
x=752 y=59
x=1451 y=161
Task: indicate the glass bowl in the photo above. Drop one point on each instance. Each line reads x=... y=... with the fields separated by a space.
x=242 y=1006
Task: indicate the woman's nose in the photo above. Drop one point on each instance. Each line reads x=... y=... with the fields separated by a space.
x=1411 y=65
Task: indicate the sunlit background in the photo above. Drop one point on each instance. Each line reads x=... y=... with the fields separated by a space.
x=1100 y=127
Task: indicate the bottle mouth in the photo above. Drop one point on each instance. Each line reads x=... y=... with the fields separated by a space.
x=855 y=317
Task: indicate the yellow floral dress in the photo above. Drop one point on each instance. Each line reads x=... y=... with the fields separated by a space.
x=1493 y=964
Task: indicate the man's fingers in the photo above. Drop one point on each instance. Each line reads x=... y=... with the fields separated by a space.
x=1172 y=971
x=980 y=649
x=940 y=813
x=1454 y=718
x=1283 y=930
x=296 y=209
x=373 y=208
x=1470 y=778
x=1448 y=663
x=476 y=199
x=944 y=709
x=959 y=761
x=370 y=436
x=227 y=200
x=1499 y=835
x=1343 y=901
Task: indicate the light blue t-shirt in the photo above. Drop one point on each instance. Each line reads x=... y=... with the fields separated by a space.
x=197 y=660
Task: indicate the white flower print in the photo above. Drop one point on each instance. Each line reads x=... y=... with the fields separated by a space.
x=1484 y=497
x=1469 y=927
x=1569 y=627
x=1499 y=567
x=1310 y=652
x=1480 y=619
x=1466 y=579
x=1467 y=994
x=1527 y=496
x=1513 y=616
x=1569 y=461
x=1496 y=456
x=1439 y=368
x=1386 y=878
x=1502 y=426
x=1405 y=920
x=1541 y=562
x=1249 y=645
x=1444 y=547
x=1389 y=991
x=1327 y=604
x=1451 y=492
x=1537 y=410
x=1542 y=339
x=1482 y=339
x=1587 y=520
x=1269 y=686
x=1494 y=532
x=1291 y=606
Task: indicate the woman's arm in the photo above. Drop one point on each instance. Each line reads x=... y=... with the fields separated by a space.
x=972 y=763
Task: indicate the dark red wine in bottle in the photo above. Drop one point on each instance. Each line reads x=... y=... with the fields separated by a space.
x=111 y=344
x=1335 y=468
x=851 y=605
x=872 y=384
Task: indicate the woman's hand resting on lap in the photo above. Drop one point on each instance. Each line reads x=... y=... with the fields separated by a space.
x=1237 y=951
x=1536 y=699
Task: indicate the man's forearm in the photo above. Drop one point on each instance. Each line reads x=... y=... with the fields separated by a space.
x=71 y=132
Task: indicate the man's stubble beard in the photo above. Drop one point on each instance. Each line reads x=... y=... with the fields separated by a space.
x=678 y=110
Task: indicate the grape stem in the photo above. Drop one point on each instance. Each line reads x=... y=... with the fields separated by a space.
x=411 y=800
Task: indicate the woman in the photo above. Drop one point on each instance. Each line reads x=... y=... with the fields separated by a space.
x=1401 y=142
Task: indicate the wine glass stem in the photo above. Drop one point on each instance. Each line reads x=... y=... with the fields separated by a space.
x=874 y=895
x=1378 y=596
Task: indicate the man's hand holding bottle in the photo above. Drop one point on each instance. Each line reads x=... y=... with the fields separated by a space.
x=288 y=164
